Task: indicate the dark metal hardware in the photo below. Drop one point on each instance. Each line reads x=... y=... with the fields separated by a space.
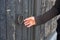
x=20 y=19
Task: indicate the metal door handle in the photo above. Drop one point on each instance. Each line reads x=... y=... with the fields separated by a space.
x=20 y=19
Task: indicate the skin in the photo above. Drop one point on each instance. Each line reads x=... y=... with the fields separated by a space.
x=29 y=22
x=41 y=19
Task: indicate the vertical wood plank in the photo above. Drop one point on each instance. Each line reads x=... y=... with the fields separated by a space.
x=10 y=8
x=2 y=20
x=19 y=12
x=38 y=11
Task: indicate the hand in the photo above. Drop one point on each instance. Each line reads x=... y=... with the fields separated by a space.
x=29 y=21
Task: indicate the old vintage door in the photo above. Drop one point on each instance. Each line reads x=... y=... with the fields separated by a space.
x=10 y=29
x=24 y=9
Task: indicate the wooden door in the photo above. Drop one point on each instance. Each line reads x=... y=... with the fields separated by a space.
x=15 y=8
x=10 y=29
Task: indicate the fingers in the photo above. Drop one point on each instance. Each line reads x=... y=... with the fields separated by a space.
x=28 y=25
x=28 y=22
x=26 y=19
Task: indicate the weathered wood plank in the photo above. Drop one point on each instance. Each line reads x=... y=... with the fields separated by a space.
x=10 y=8
x=2 y=20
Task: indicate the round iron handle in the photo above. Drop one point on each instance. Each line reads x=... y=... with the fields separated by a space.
x=20 y=19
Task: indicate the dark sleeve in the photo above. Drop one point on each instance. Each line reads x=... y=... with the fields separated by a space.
x=54 y=11
x=57 y=5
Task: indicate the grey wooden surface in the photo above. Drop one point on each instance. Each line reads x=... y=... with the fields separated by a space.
x=11 y=30
x=2 y=20
x=43 y=31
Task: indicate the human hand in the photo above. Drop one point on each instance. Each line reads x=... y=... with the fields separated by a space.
x=29 y=21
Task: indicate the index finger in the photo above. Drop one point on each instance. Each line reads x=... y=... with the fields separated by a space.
x=26 y=19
